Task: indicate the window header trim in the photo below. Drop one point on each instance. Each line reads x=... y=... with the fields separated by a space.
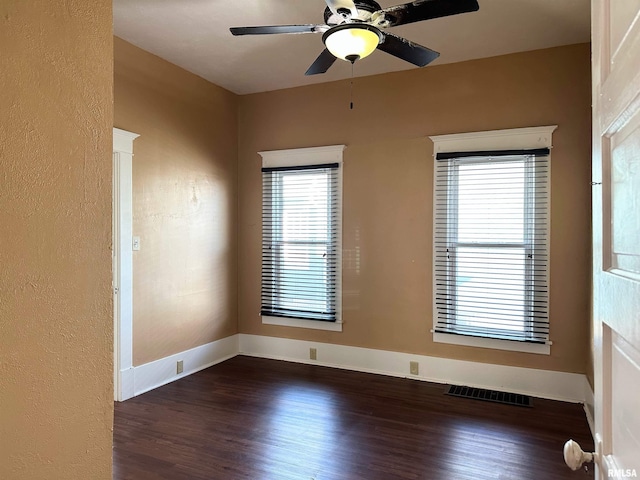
x=302 y=156
x=509 y=139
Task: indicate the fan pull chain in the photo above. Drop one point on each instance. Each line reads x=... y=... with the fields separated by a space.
x=351 y=86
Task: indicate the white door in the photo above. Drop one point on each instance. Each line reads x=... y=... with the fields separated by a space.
x=616 y=236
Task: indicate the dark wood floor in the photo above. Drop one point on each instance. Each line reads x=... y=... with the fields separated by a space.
x=250 y=418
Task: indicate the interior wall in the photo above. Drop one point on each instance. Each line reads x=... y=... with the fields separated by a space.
x=56 y=377
x=184 y=203
x=388 y=179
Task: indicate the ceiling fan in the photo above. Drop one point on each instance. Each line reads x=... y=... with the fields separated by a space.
x=353 y=29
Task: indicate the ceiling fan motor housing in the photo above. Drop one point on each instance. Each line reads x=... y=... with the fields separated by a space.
x=367 y=7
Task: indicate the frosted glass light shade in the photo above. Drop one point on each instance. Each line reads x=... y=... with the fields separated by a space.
x=352 y=40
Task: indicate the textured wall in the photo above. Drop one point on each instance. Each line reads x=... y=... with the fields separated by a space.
x=184 y=203
x=56 y=392
x=388 y=177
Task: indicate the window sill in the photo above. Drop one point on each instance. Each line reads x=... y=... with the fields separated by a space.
x=492 y=343
x=300 y=323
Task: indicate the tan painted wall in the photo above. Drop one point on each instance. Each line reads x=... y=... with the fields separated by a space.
x=184 y=197
x=388 y=191
x=56 y=391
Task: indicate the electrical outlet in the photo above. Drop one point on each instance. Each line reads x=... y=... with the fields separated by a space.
x=414 y=368
x=180 y=366
x=313 y=354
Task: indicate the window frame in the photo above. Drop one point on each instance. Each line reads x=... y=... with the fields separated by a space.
x=511 y=139
x=300 y=157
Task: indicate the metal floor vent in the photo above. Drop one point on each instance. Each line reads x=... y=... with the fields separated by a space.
x=490 y=395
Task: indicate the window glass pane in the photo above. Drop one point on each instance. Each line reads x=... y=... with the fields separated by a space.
x=305 y=267
x=490 y=288
x=491 y=202
x=305 y=206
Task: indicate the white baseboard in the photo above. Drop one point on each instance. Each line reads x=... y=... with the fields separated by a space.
x=553 y=385
x=160 y=372
x=127 y=389
x=569 y=387
x=589 y=402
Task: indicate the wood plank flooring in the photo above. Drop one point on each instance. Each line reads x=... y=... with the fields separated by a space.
x=250 y=418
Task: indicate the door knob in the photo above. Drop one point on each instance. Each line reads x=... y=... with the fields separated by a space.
x=574 y=456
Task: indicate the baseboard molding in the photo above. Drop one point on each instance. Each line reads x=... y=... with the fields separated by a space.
x=160 y=372
x=569 y=387
x=127 y=389
x=589 y=402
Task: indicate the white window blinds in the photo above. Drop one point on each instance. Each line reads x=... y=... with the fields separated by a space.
x=491 y=244
x=300 y=208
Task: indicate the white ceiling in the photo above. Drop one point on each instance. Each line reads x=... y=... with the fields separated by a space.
x=194 y=34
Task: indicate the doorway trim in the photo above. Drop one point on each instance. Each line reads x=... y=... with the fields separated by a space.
x=123 y=384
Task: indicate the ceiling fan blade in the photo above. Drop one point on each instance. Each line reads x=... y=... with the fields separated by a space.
x=425 y=10
x=269 y=30
x=406 y=50
x=335 y=5
x=322 y=63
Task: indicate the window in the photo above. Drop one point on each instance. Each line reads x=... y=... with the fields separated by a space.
x=491 y=247
x=301 y=230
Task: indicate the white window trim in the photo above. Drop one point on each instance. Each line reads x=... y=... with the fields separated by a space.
x=300 y=323
x=312 y=156
x=511 y=139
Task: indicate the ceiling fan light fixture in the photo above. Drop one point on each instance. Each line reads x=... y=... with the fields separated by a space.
x=352 y=41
